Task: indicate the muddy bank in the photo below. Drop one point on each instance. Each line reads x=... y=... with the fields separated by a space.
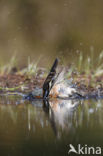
x=25 y=83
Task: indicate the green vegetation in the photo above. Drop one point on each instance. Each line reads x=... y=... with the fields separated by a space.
x=88 y=65
x=86 y=70
x=6 y=69
x=32 y=68
x=85 y=65
x=91 y=64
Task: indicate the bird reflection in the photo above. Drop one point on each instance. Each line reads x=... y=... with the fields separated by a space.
x=60 y=114
x=64 y=117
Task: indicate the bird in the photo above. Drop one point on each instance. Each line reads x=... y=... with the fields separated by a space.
x=55 y=85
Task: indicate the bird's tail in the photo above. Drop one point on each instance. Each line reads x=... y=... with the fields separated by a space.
x=50 y=80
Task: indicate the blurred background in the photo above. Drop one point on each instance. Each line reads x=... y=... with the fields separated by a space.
x=49 y=29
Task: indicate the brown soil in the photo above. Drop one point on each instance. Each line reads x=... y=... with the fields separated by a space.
x=18 y=82
x=26 y=83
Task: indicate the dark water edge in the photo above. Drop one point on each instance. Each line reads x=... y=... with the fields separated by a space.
x=28 y=128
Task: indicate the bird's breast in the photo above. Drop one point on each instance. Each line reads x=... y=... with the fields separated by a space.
x=60 y=90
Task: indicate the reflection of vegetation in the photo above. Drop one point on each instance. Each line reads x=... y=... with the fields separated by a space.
x=87 y=113
x=90 y=114
x=24 y=110
x=61 y=117
x=34 y=128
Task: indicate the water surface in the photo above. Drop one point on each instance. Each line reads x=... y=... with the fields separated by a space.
x=33 y=128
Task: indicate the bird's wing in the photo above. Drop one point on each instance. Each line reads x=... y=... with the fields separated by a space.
x=60 y=76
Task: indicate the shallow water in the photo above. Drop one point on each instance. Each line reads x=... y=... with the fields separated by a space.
x=33 y=128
